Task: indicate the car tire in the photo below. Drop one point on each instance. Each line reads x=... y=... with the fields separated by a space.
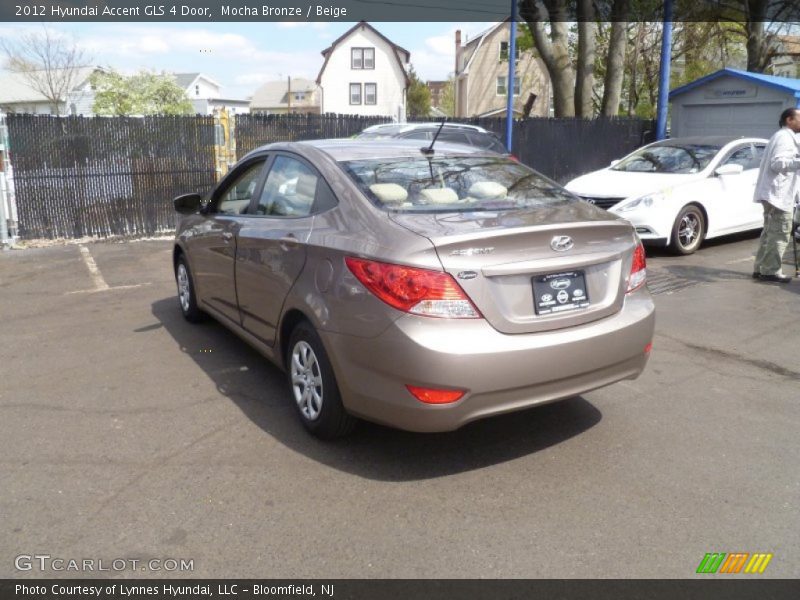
x=187 y=300
x=313 y=385
x=688 y=231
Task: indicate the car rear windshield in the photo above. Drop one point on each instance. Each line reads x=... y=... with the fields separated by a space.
x=449 y=184
x=687 y=158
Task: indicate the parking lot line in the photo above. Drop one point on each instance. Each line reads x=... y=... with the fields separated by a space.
x=97 y=277
x=100 y=284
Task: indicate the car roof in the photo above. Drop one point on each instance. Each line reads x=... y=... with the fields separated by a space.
x=390 y=148
x=707 y=140
x=358 y=149
x=403 y=127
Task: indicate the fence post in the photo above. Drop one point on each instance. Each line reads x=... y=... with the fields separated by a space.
x=224 y=141
x=8 y=212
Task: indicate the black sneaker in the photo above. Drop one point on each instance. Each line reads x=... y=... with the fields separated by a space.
x=777 y=278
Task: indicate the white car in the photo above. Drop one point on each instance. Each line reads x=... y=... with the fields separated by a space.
x=678 y=192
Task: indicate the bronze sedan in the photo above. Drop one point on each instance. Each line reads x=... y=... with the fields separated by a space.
x=416 y=287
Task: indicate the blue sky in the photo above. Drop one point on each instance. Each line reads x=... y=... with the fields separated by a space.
x=241 y=56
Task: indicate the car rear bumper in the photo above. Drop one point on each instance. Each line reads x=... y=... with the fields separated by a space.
x=500 y=373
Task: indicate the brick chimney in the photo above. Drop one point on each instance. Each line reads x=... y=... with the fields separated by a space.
x=458 y=48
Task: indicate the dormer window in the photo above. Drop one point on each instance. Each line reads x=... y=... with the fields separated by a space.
x=362 y=58
x=504 y=51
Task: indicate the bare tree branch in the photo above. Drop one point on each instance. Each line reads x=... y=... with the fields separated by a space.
x=49 y=64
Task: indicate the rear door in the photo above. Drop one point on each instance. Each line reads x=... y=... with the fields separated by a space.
x=212 y=246
x=272 y=244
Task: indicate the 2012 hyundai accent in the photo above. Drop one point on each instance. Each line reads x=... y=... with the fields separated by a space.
x=422 y=288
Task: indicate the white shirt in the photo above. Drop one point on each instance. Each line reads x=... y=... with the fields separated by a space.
x=778 y=180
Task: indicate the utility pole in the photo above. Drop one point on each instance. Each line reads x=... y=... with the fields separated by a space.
x=512 y=55
x=289 y=94
x=663 y=73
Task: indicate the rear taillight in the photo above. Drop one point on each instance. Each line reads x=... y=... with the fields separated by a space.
x=414 y=290
x=638 y=275
x=435 y=395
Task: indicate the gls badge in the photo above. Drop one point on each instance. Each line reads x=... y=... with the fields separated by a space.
x=561 y=243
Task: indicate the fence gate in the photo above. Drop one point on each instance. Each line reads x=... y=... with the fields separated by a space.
x=224 y=142
x=8 y=208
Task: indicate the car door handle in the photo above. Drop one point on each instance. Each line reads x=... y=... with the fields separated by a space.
x=227 y=236
x=288 y=241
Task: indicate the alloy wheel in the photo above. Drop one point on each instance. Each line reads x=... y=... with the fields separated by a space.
x=306 y=380
x=184 y=291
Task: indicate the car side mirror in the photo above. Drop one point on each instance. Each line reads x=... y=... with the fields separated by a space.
x=613 y=163
x=729 y=170
x=187 y=204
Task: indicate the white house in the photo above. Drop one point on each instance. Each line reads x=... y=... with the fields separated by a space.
x=364 y=73
x=19 y=94
x=205 y=94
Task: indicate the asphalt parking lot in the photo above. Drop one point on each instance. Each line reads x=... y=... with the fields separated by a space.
x=127 y=433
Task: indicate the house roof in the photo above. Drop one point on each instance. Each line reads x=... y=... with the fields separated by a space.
x=14 y=87
x=472 y=46
x=184 y=80
x=785 y=84
x=398 y=50
x=789 y=45
x=273 y=93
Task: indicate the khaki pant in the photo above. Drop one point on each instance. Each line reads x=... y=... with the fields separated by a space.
x=774 y=238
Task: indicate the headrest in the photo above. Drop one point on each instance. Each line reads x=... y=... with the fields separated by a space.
x=439 y=196
x=487 y=190
x=389 y=193
x=306 y=185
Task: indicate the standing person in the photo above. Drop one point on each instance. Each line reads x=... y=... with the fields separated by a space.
x=777 y=189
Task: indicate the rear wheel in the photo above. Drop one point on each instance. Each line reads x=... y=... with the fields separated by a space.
x=688 y=230
x=313 y=386
x=186 y=296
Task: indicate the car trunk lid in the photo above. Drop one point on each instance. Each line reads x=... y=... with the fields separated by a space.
x=499 y=258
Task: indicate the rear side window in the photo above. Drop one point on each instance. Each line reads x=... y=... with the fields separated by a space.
x=455 y=137
x=488 y=141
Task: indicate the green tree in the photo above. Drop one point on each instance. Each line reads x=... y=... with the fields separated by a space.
x=418 y=96
x=145 y=93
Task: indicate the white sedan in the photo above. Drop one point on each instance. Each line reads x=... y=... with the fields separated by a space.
x=678 y=192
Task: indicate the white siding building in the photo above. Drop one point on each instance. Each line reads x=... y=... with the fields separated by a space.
x=732 y=102
x=364 y=73
x=205 y=94
x=19 y=95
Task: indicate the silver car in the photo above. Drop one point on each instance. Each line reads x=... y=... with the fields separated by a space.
x=418 y=287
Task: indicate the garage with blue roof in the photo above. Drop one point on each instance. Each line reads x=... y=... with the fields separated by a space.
x=732 y=102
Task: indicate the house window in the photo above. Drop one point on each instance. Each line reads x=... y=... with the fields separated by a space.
x=504 y=51
x=357 y=58
x=362 y=58
x=502 y=85
x=299 y=97
x=369 y=58
x=370 y=93
x=355 y=93
x=197 y=90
